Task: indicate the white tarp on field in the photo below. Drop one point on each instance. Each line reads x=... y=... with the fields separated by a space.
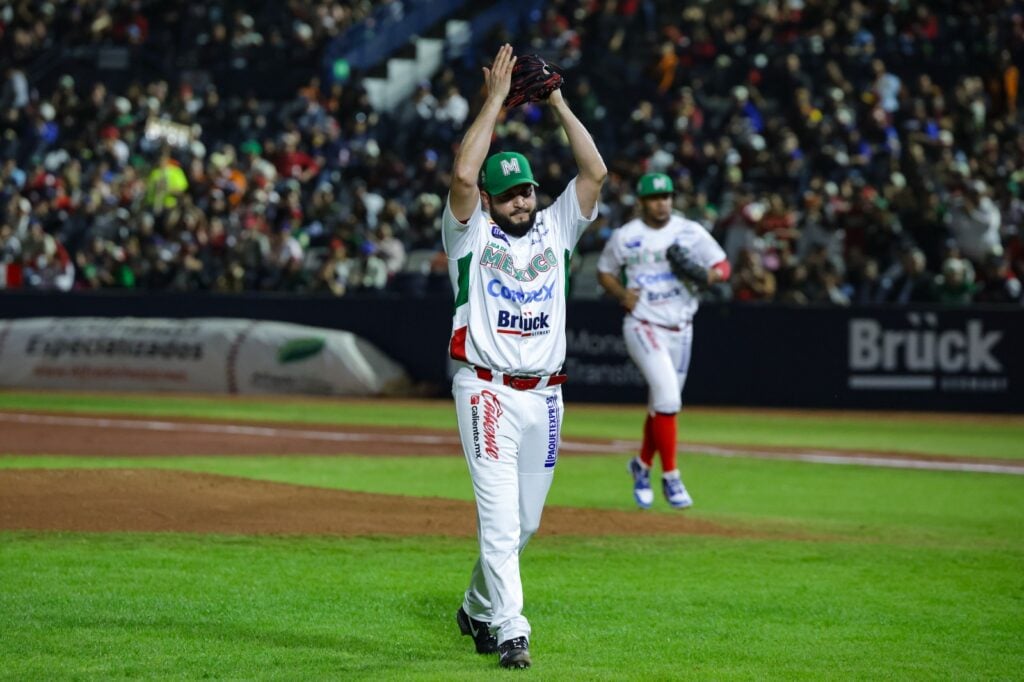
x=215 y=355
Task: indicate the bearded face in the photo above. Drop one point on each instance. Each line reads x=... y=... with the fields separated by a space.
x=515 y=210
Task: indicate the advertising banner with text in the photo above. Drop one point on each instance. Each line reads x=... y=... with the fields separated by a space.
x=963 y=359
x=870 y=358
x=197 y=355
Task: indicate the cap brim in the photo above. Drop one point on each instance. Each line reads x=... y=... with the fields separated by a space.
x=502 y=188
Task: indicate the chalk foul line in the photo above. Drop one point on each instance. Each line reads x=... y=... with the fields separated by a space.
x=612 y=447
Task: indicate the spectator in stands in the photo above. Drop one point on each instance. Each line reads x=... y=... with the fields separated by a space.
x=14 y=95
x=335 y=272
x=864 y=284
x=956 y=283
x=167 y=182
x=823 y=284
x=737 y=230
x=998 y=283
x=372 y=271
x=283 y=258
x=10 y=245
x=974 y=221
x=425 y=221
x=452 y=110
x=910 y=281
x=390 y=249
x=750 y=281
x=47 y=264
x=416 y=117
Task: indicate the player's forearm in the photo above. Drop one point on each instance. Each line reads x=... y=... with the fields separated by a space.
x=612 y=286
x=588 y=159
x=475 y=144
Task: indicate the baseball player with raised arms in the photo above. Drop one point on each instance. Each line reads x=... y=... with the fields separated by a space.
x=509 y=266
x=654 y=265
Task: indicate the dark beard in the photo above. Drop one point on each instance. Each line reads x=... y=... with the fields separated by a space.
x=651 y=222
x=513 y=229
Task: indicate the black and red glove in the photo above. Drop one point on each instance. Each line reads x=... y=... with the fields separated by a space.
x=533 y=79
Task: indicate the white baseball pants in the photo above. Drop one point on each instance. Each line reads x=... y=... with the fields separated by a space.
x=510 y=440
x=663 y=356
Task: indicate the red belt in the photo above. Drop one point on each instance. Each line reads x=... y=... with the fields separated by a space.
x=521 y=383
x=663 y=326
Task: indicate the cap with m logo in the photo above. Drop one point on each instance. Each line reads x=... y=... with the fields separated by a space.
x=654 y=183
x=505 y=170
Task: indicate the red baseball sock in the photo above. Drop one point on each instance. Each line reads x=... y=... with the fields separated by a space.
x=647 y=449
x=663 y=432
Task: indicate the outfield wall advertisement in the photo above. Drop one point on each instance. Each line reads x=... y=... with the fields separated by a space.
x=197 y=355
x=892 y=358
x=935 y=358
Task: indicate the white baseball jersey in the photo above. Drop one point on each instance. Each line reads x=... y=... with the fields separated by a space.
x=639 y=251
x=510 y=291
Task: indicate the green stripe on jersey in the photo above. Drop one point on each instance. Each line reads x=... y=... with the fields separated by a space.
x=568 y=260
x=463 y=295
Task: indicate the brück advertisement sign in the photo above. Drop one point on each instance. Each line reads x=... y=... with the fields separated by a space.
x=862 y=358
x=921 y=354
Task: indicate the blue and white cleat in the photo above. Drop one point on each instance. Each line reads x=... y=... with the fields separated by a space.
x=675 y=491
x=642 y=493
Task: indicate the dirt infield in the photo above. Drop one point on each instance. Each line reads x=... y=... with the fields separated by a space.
x=163 y=500
x=149 y=500
x=153 y=500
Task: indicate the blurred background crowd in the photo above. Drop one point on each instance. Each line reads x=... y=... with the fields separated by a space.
x=842 y=152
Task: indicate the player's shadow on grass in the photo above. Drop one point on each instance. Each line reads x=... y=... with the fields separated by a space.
x=346 y=650
x=434 y=620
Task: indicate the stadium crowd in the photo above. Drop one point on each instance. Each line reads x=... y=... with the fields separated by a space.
x=841 y=151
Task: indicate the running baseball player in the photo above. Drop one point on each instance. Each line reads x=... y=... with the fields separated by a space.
x=655 y=265
x=508 y=264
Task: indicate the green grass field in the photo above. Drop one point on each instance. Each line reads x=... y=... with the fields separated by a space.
x=901 y=574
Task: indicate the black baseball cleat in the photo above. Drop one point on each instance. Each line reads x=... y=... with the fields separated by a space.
x=514 y=653
x=486 y=643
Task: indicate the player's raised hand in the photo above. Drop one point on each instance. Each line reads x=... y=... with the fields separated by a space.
x=499 y=77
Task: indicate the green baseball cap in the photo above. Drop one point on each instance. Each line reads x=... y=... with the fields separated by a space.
x=505 y=170
x=654 y=183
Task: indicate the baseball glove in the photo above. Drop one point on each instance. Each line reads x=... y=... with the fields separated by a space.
x=685 y=267
x=533 y=79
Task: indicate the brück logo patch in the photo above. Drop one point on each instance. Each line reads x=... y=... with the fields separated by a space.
x=523 y=325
